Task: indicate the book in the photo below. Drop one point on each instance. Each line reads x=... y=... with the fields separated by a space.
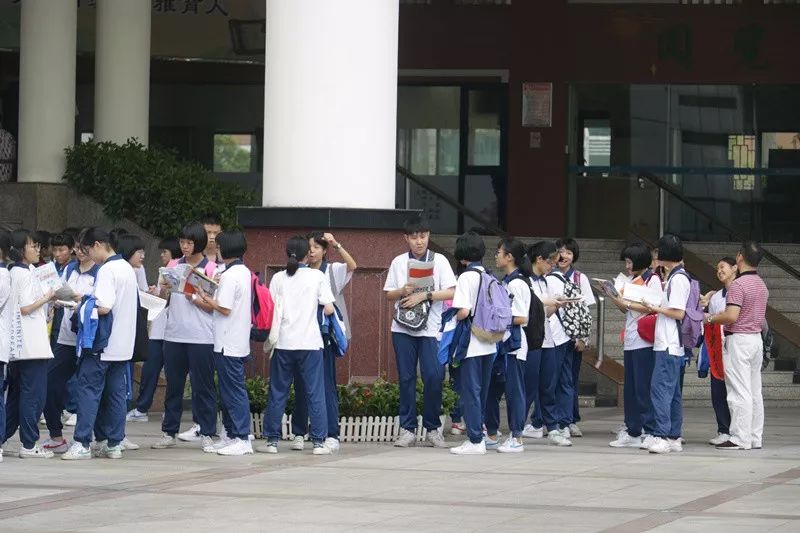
x=606 y=287
x=184 y=279
x=641 y=294
x=420 y=274
x=154 y=305
x=48 y=277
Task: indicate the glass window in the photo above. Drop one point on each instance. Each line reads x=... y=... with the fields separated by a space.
x=596 y=143
x=87 y=136
x=484 y=128
x=234 y=152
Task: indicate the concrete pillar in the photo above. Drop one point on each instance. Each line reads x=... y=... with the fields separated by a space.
x=48 y=37
x=122 y=71
x=330 y=103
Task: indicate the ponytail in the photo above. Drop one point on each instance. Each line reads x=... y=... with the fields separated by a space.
x=296 y=251
x=516 y=248
x=19 y=239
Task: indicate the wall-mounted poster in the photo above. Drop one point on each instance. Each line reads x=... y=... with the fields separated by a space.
x=537 y=105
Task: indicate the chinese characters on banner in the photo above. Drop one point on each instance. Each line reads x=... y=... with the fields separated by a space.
x=537 y=105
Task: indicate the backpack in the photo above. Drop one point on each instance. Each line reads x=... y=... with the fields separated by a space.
x=576 y=318
x=261 y=311
x=534 y=331
x=768 y=340
x=491 y=315
x=691 y=327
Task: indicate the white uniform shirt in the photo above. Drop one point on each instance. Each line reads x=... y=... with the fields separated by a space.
x=5 y=313
x=717 y=303
x=465 y=298
x=633 y=341
x=341 y=277
x=520 y=307
x=668 y=338
x=83 y=284
x=116 y=289
x=300 y=295
x=141 y=279
x=555 y=288
x=232 y=332
x=28 y=338
x=443 y=278
x=187 y=323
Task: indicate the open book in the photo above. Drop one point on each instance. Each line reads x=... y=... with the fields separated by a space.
x=186 y=280
x=154 y=305
x=606 y=287
x=48 y=277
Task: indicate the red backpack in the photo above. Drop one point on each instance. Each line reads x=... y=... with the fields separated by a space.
x=261 y=311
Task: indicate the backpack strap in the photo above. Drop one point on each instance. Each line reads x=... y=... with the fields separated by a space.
x=480 y=284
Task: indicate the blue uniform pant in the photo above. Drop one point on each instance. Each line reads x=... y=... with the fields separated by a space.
x=577 y=363
x=514 y=389
x=230 y=371
x=101 y=400
x=2 y=404
x=409 y=351
x=27 y=393
x=151 y=370
x=532 y=368
x=497 y=387
x=665 y=389
x=179 y=360
x=565 y=390
x=476 y=373
x=300 y=413
x=543 y=380
x=61 y=369
x=282 y=370
x=639 y=414
x=719 y=400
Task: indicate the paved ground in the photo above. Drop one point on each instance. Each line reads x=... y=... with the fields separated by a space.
x=589 y=487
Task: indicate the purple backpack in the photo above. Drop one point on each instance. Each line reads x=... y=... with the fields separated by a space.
x=492 y=311
x=691 y=327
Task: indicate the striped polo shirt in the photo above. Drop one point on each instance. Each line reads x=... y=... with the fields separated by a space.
x=748 y=292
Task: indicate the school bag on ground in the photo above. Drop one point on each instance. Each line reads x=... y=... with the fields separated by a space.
x=534 y=331
x=261 y=311
x=691 y=327
x=491 y=315
x=576 y=318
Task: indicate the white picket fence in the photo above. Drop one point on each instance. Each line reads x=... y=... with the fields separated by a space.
x=352 y=429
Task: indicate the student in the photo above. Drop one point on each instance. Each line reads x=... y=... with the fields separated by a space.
x=512 y=261
x=301 y=290
x=568 y=255
x=665 y=386
x=42 y=238
x=743 y=318
x=419 y=346
x=30 y=351
x=151 y=369
x=543 y=367
x=134 y=255
x=715 y=301
x=102 y=373
x=339 y=275
x=213 y=228
x=81 y=280
x=232 y=307
x=189 y=347
x=638 y=355
x=5 y=327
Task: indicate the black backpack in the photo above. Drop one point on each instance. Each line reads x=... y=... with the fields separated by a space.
x=534 y=331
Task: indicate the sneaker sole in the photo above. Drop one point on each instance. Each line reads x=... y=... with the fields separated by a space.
x=271 y=451
x=79 y=458
x=510 y=450
x=403 y=445
x=466 y=453
x=40 y=456
x=163 y=446
x=296 y=448
x=235 y=454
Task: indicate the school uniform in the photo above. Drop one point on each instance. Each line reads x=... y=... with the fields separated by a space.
x=476 y=368
x=719 y=391
x=189 y=350
x=545 y=369
x=338 y=276
x=639 y=361
x=513 y=386
x=29 y=357
x=576 y=358
x=665 y=387
x=419 y=347
x=65 y=361
x=102 y=375
x=5 y=341
x=232 y=346
x=299 y=347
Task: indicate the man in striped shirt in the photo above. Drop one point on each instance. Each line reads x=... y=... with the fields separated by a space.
x=746 y=307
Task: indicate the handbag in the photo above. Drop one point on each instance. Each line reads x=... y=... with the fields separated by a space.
x=415 y=318
x=646 y=327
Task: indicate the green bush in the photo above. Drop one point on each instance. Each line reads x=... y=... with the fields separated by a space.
x=256 y=393
x=150 y=186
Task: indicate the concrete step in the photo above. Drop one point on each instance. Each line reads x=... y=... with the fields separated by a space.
x=768 y=404
x=771 y=392
x=768 y=377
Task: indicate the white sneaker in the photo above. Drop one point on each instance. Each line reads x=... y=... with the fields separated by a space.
x=719 y=439
x=34 y=453
x=435 y=438
x=42 y=421
x=236 y=447
x=332 y=444
x=458 y=428
x=566 y=433
x=223 y=442
x=660 y=446
x=298 y=443
x=165 y=442
x=71 y=420
x=647 y=441
x=575 y=431
x=207 y=443
x=491 y=443
x=128 y=445
x=469 y=448
x=191 y=435
x=626 y=441
x=269 y=447
x=1 y=455
x=321 y=449
x=134 y=415
x=56 y=446
x=675 y=445
x=77 y=452
x=532 y=432
x=405 y=439
x=110 y=452
x=619 y=429
x=511 y=445
x=558 y=439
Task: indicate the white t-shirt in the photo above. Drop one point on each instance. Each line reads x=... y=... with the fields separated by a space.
x=116 y=289
x=717 y=304
x=668 y=338
x=520 y=307
x=632 y=339
x=555 y=289
x=300 y=295
x=443 y=278
x=232 y=332
x=159 y=326
x=28 y=338
x=341 y=277
x=186 y=322
x=141 y=279
x=5 y=313
x=465 y=298
x=82 y=283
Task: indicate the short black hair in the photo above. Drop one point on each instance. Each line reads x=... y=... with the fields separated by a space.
x=42 y=237
x=728 y=259
x=639 y=254
x=18 y=239
x=95 y=234
x=469 y=247
x=172 y=245
x=570 y=244
x=232 y=244
x=63 y=239
x=752 y=252
x=114 y=235
x=128 y=244
x=319 y=238
x=73 y=231
x=543 y=249
x=195 y=232
x=210 y=219
x=670 y=248
x=5 y=244
x=416 y=224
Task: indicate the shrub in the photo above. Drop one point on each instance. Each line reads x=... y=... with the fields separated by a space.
x=256 y=393
x=150 y=186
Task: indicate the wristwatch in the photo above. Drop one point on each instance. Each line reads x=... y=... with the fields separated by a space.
x=708 y=319
x=337 y=246
x=429 y=296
